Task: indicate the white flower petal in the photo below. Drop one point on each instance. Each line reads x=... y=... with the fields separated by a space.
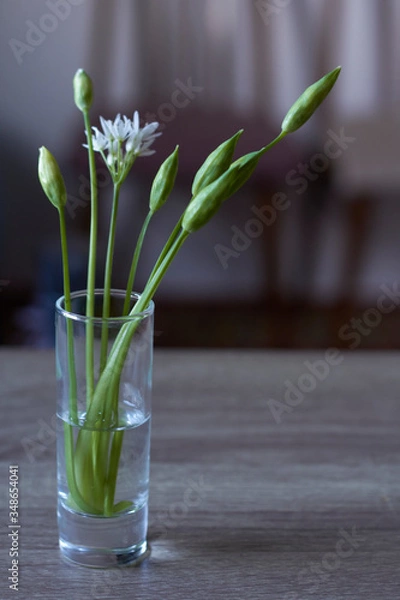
x=99 y=141
x=107 y=127
x=133 y=143
x=148 y=129
x=137 y=139
x=146 y=144
x=147 y=152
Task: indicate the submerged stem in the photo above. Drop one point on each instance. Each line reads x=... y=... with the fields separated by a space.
x=115 y=455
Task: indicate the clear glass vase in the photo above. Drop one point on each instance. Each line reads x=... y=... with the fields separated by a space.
x=104 y=376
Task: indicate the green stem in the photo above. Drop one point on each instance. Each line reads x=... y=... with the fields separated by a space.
x=115 y=454
x=73 y=402
x=84 y=465
x=91 y=264
x=82 y=458
x=108 y=381
x=106 y=389
x=168 y=245
x=73 y=408
x=274 y=142
x=100 y=450
x=107 y=276
x=64 y=253
x=92 y=448
x=177 y=228
x=70 y=471
x=156 y=277
x=135 y=260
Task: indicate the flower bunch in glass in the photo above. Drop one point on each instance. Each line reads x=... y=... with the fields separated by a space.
x=92 y=460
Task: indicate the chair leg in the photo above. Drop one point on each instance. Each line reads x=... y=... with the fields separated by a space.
x=358 y=220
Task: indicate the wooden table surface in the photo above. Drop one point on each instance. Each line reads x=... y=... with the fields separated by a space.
x=252 y=495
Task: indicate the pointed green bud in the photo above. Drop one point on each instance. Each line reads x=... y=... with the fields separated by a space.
x=51 y=179
x=83 y=90
x=241 y=170
x=208 y=201
x=215 y=164
x=309 y=101
x=164 y=181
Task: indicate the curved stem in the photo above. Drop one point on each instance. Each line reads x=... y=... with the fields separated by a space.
x=109 y=379
x=135 y=260
x=70 y=471
x=168 y=245
x=274 y=142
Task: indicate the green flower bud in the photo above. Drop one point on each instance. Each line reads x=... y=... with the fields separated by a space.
x=241 y=170
x=201 y=209
x=83 y=90
x=208 y=201
x=164 y=181
x=309 y=101
x=51 y=179
x=215 y=164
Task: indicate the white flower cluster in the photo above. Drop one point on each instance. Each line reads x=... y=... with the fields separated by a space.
x=123 y=132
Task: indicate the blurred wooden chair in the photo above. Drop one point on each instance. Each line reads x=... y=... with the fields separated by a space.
x=368 y=175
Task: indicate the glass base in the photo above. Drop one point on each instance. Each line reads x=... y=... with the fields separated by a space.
x=104 y=559
x=103 y=542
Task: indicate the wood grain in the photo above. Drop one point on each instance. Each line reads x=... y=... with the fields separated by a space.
x=241 y=506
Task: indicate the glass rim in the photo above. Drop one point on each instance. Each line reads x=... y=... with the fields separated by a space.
x=60 y=310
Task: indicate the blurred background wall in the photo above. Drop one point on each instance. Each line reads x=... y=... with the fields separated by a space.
x=309 y=273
